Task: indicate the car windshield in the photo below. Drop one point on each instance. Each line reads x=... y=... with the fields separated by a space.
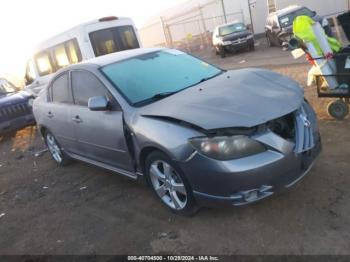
x=6 y=87
x=146 y=78
x=233 y=28
x=287 y=20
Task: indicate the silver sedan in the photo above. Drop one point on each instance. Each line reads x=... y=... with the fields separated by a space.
x=200 y=135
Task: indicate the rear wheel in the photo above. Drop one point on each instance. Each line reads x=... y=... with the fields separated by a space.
x=338 y=109
x=169 y=184
x=222 y=52
x=55 y=150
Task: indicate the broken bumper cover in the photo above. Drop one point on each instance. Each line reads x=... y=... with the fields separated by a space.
x=244 y=181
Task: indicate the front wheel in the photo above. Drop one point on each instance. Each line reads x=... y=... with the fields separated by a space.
x=55 y=150
x=222 y=51
x=269 y=41
x=169 y=184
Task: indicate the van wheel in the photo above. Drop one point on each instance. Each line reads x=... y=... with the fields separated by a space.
x=169 y=184
x=55 y=150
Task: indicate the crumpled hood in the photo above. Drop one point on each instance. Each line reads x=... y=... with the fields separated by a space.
x=239 y=98
x=13 y=98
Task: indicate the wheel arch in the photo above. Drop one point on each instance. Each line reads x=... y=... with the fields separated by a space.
x=145 y=152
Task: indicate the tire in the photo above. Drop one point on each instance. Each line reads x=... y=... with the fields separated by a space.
x=269 y=42
x=216 y=51
x=222 y=52
x=338 y=109
x=57 y=154
x=163 y=175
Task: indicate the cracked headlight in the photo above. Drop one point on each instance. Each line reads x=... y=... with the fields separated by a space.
x=227 y=148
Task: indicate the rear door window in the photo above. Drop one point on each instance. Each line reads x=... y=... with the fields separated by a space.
x=85 y=85
x=113 y=39
x=60 y=90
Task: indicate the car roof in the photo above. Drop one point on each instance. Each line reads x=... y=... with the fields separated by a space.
x=114 y=57
x=287 y=10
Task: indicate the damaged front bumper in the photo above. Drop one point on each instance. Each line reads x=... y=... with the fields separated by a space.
x=250 y=179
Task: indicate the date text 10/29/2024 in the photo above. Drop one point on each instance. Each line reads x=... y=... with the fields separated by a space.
x=173 y=258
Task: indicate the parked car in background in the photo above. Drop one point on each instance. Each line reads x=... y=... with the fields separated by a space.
x=199 y=134
x=232 y=37
x=15 y=108
x=279 y=24
x=85 y=41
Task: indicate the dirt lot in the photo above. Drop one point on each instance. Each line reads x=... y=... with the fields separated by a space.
x=81 y=209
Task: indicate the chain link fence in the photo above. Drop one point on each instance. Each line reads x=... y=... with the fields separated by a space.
x=191 y=28
x=195 y=32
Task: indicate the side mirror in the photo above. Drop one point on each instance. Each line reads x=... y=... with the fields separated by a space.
x=98 y=103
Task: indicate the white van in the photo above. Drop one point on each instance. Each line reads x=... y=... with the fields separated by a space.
x=99 y=37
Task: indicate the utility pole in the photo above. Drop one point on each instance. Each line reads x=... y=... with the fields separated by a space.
x=203 y=25
x=251 y=17
x=167 y=33
x=223 y=10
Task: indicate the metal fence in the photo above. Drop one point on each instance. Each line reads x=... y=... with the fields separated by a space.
x=193 y=29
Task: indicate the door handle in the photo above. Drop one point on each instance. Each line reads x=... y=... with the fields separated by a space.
x=77 y=119
x=49 y=114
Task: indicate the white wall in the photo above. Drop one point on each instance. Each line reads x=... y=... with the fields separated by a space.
x=259 y=14
x=152 y=34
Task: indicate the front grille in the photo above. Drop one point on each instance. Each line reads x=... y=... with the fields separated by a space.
x=304 y=139
x=14 y=111
x=284 y=126
x=295 y=127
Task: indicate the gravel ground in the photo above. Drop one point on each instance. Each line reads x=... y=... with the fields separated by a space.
x=80 y=209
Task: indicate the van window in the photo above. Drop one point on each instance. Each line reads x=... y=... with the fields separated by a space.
x=127 y=37
x=60 y=56
x=73 y=51
x=44 y=64
x=114 y=39
x=60 y=90
x=66 y=53
x=30 y=73
x=85 y=85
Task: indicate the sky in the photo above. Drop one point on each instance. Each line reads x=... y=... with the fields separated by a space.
x=26 y=23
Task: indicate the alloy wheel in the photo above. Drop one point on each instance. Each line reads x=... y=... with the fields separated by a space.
x=168 y=184
x=54 y=148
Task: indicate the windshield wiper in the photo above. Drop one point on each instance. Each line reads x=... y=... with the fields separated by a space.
x=208 y=78
x=155 y=97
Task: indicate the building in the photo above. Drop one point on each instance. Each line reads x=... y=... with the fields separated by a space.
x=194 y=21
